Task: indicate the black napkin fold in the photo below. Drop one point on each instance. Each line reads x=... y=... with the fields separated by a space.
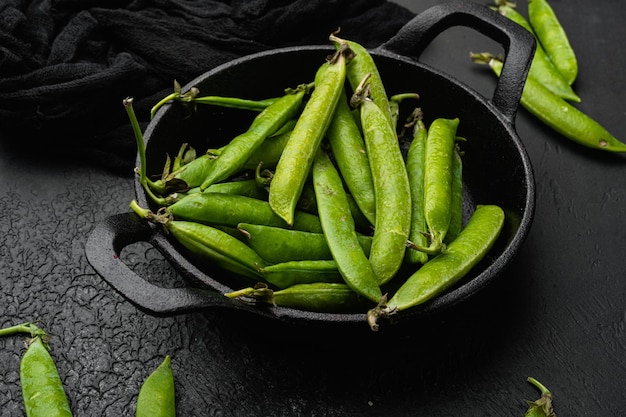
x=66 y=65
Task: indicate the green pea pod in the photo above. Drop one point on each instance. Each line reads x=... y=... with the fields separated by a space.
x=321 y=297
x=415 y=160
x=42 y=388
x=438 y=179
x=338 y=226
x=157 y=394
x=447 y=268
x=558 y=114
x=553 y=39
x=308 y=203
x=246 y=188
x=230 y=210
x=391 y=187
x=234 y=155
x=272 y=148
x=295 y=163
x=209 y=243
x=542 y=69
x=276 y=244
x=286 y=274
x=348 y=147
x=363 y=65
x=188 y=176
x=456 y=198
x=543 y=406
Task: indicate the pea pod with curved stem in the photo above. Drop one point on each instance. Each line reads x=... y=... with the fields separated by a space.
x=361 y=65
x=558 y=114
x=348 y=148
x=234 y=155
x=553 y=38
x=277 y=245
x=339 y=229
x=42 y=388
x=438 y=179
x=543 y=406
x=394 y=105
x=230 y=210
x=157 y=394
x=209 y=243
x=319 y=297
x=295 y=163
x=447 y=268
x=415 y=160
x=191 y=97
x=391 y=187
x=542 y=69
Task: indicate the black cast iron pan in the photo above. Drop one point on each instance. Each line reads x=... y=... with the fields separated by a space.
x=497 y=169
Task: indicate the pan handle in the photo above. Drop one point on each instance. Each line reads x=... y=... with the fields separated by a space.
x=103 y=249
x=519 y=44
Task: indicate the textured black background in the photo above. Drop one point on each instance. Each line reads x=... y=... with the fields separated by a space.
x=558 y=314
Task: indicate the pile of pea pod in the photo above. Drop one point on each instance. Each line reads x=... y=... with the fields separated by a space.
x=336 y=215
x=548 y=93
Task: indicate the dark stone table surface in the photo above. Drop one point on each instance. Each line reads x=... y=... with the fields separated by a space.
x=557 y=314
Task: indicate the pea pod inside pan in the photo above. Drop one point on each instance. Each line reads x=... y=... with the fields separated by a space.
x=497 y=169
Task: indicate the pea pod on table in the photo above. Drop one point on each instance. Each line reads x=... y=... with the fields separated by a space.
x=553 y=39
x=542 y=69
x=157 y=394
x=557 y=113
x=42 y=388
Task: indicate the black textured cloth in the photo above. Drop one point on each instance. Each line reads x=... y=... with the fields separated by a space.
x=66 y=65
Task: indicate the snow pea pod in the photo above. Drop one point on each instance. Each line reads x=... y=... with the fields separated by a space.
x=438 y=179
x=339 y=229
x=42 y=388
x=295 y=163
x=230 y=210
x=558 y=114
x=286 y=274
x=276 y=244
x=447 y=268
x=415 y=160
x=348 y=148
x=157 y=394
x=234 y=155
x=391 y=187
x=542 y=69
x=553 y=38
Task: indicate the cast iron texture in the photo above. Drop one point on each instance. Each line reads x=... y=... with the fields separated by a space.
x=497 y=169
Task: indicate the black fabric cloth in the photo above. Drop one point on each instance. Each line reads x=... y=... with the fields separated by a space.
x=66 y=65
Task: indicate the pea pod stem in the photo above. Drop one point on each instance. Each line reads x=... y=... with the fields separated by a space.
x=543 y=406
x=191 y=97
x=557 y=113
x=28 y=327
